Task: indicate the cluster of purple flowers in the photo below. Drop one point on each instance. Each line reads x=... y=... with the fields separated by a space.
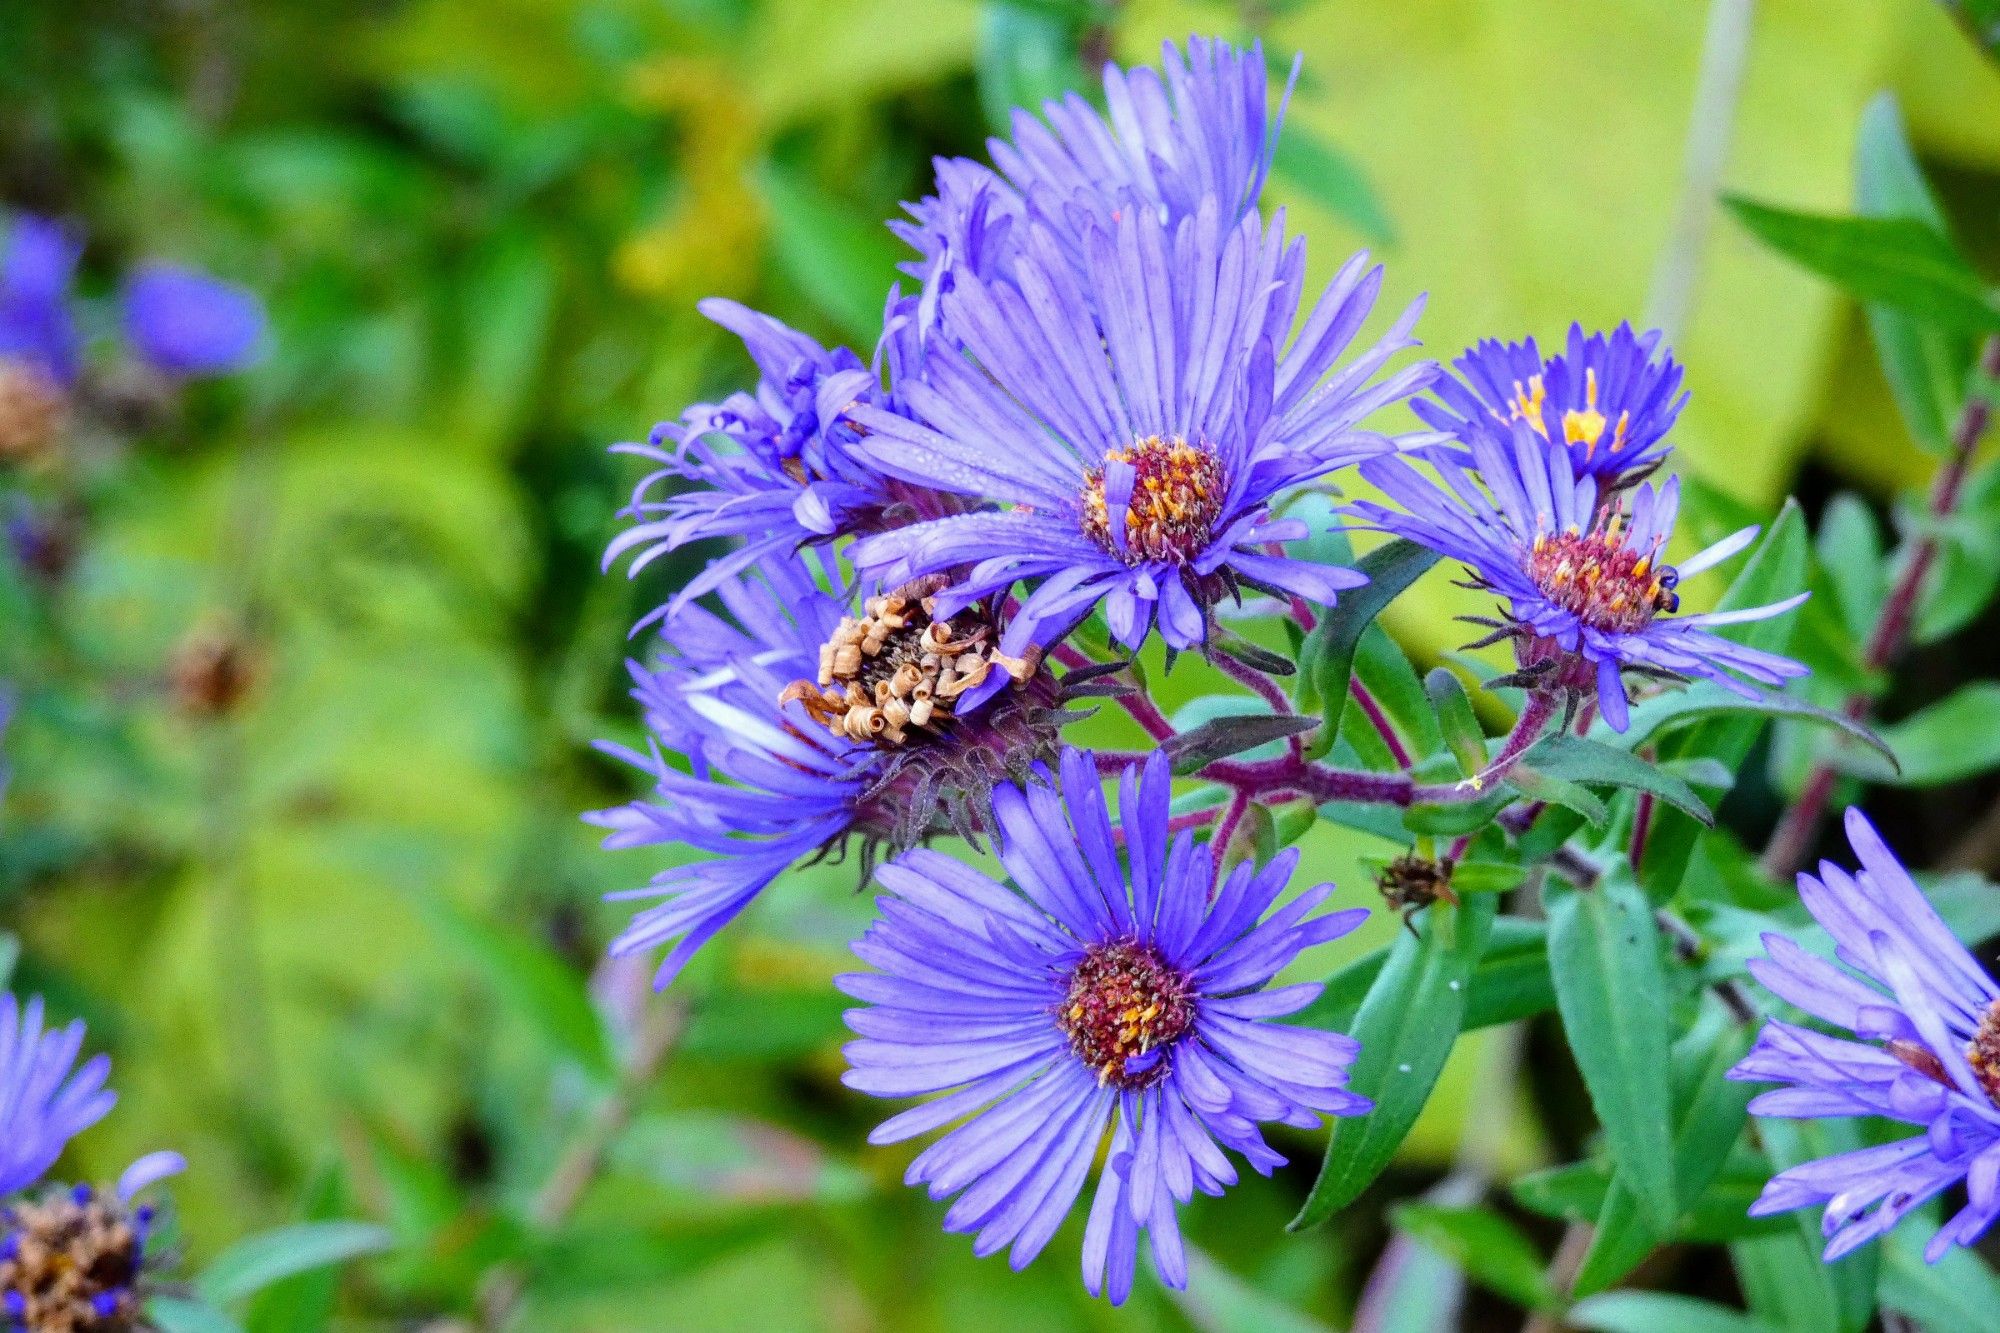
x=1099 y=402
x=69 y=1257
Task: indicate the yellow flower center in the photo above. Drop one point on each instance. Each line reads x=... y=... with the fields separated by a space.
x=1177 y=492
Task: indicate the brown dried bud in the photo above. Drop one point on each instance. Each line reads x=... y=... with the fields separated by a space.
x=32 y=408
x=213 y=671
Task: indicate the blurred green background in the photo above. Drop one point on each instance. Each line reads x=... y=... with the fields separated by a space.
x=341 y=937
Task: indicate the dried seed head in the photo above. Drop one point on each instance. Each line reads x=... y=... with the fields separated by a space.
x=32 y=407
x=891 y=675
x=1411 y=881
x=70 y=1262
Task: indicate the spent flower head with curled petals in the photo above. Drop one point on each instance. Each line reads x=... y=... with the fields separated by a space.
x=1091 y=999
x=1139 y=416
x=1609 y=399
x=1925 y=1019
x=788 y=725
x=1588 y=593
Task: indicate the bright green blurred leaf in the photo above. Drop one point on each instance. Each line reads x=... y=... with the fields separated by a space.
x=1328 y=177
x=1898 y=262
x=1956 y=737
x=1490 y=1249
x=843 y=261
x=1660 y=1312
x=1926 y=365
x=256 y=1262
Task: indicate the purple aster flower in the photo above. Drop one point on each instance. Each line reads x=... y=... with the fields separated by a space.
x=1589 y=594
x=184 y=323
x=776 y=468
x=1198 y=128
x=1926 y=1022
x=1090 y=999
x=1609 y=398
x=45 y=1100
x=37 y=326
x=1137 y=416
x=790 y=724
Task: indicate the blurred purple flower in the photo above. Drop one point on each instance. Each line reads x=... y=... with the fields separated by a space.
x=37 y=326
x=1588 y=594
x=45 y=1100
x=184 y=323
x=1609 y=399
x=1090 y=999
x=1927 y=1021
x=1139 y=415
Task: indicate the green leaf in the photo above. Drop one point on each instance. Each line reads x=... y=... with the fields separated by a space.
x=1510 y=983
x=1492 y=1251
x=1548 y=789
x=1849 y=549
x=1604 y=953
x=1660 y=1312
x=172 y=1314
x=843 y=259
x=1981 y=21
x=532 y=981
x=1705 y=701
x=1192 y=751
x=1958 y=1291
x=1328 y=177
x=1581 y=760
x=1461 y=729
x=254 y=1263
x=1028 y=56
x=1326 y=663
x=1218 y=1301
x=1406 y=1028
x=1786 y=1280
x=1710 y=1118
x=1924 y=364
x=1894 y=261
x=1956 y=737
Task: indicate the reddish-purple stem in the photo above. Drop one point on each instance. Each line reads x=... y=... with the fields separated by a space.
x=1255 y=681
x=1792 y=840
x=1225 y=833
x=1380 y=721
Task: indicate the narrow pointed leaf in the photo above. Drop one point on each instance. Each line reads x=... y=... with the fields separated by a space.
x=1406 y=1028
x=1604 y=952
x=1899 y=262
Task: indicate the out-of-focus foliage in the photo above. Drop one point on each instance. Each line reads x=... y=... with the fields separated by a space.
x=342 y=936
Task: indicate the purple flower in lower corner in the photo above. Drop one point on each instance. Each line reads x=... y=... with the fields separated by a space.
x=1091 y=999
x=70 y=1257
x=1607 y=399
x=1926 y=1052
x=1589 y=595
x=45 y=1100
x=1139 y=417
x=185 y=323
